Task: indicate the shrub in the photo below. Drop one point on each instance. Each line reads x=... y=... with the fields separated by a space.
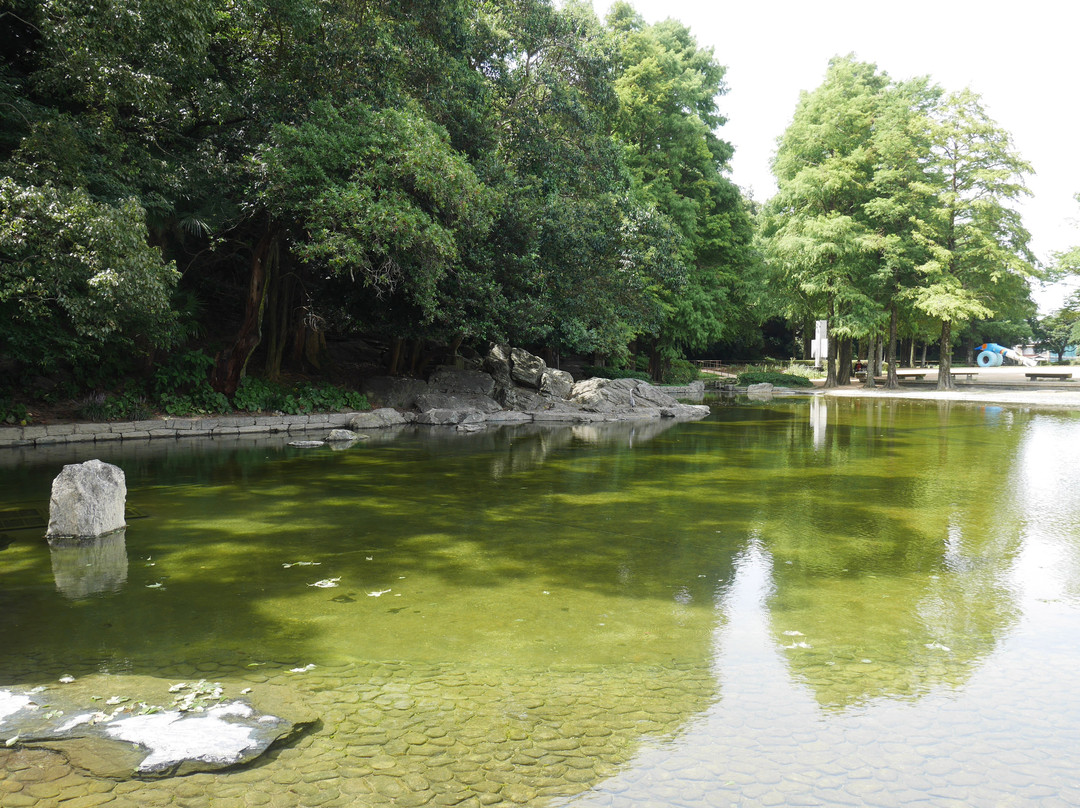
x=260 y=395
x=807 y=371
x=13 y=413
x=182 y=386
x=591 y=371
x=129 y=404
x=772 y=377
x=681 y=371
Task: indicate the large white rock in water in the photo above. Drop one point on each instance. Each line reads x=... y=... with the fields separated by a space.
x=87 y=500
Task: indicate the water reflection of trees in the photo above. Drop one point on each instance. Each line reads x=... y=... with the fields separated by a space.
x=485 y=524
x=893 y=544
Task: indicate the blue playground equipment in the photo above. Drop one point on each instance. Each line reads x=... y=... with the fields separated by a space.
x=991 y=355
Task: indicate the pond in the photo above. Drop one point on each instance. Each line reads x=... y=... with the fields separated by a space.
x=802 y=602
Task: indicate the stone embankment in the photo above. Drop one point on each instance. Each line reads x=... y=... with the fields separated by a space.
x=51 y=434
x=511 y=386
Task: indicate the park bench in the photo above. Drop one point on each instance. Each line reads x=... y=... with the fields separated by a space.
x=1049 y=374
x=908 y=374
x=967 y=374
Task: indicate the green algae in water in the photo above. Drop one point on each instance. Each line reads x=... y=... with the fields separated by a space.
x=588 y=613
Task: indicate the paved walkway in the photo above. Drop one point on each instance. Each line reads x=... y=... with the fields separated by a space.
x=1003 y=385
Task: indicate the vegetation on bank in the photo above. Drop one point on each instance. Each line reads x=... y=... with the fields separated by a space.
x=772 y=377
x=200 y=200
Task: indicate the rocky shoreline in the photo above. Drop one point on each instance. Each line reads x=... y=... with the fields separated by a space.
x=510 y=386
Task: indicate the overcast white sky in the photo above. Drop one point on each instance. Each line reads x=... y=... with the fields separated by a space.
x=1020 y=57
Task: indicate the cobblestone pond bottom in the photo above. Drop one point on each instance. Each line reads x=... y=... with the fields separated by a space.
x=446 y=735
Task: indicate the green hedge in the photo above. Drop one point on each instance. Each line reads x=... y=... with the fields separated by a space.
x=772 y=377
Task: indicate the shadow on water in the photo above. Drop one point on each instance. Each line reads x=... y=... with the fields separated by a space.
x=591 y=542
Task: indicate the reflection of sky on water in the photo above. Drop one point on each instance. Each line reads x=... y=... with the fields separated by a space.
x=819 y=421
x=1004 y=730
x=1045 y=483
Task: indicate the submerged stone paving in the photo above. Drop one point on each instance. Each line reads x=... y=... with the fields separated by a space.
x=410 y=735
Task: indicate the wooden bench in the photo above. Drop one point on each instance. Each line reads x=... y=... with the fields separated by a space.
x=1049 y=374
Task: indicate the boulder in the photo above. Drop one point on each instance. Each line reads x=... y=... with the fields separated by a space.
x=375 y=419
x=556 y=383
x=142 y=734
x=443 y=417
x=760 y=392
x=626 y=397
x=87 y=501
x=526 y=369
x=448 y=379
x=464 y=401
x=604 y=395
x=393 y=391
x=509 y=417
x=497 y=365
x=341 y=436
x=685 y=411
x=531 y=401
x=645 y=395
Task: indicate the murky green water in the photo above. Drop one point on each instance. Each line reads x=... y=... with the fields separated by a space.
x=807 y=602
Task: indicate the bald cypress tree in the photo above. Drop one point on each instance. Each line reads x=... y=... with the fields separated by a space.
x=975 y=235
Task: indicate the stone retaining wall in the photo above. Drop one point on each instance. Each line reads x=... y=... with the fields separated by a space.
x=52 y=434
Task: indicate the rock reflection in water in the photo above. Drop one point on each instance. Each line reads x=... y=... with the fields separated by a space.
x=86 y=567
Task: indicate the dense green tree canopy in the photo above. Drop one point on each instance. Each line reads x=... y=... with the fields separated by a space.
x=79 y=279
x=461 y=170
x=821 y=237
x=668 y=116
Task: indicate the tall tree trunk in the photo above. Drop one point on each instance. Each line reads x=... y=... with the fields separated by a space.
x=944 y=375
x=656 y=369
x=455 y=344
x=871 y=357
x=395 y=356
x=414 y=358
x=843 y=370
x=830 y=373
x=893 y=382
x=231 y=362
x=279 y=308
x=309 y=346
